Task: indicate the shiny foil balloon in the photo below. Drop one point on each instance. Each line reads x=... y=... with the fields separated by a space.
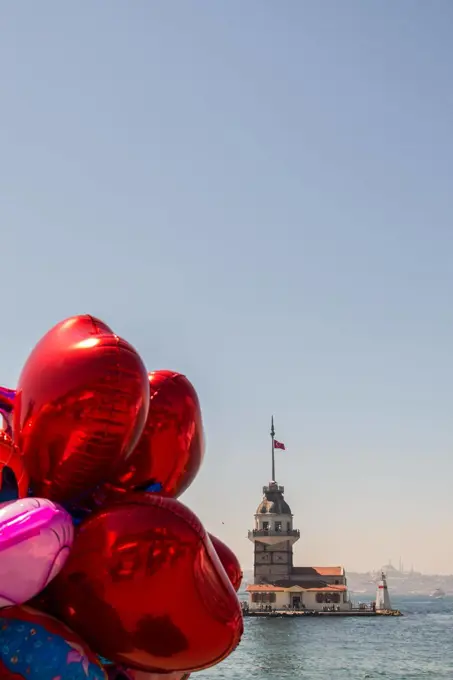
x=80 y=408
x=144 y=587
x=35 y=646
x=14 y=479
x=229 y=562
x=116 y=673
x=170 y=450
x=35 y=538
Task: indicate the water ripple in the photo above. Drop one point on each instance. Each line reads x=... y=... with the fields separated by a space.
x=418 y=645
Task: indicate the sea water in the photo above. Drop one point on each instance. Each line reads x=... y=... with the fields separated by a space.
x=417 y=645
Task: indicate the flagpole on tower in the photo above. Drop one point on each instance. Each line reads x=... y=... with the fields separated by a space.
x=273 y=451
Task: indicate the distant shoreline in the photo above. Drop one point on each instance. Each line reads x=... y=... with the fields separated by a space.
x=411 y=584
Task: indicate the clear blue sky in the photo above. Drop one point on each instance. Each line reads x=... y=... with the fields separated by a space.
x=258 y=194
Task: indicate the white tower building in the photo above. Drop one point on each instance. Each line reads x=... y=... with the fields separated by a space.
x=382 y=595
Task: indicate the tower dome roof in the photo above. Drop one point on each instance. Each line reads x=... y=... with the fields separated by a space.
x=273 y=501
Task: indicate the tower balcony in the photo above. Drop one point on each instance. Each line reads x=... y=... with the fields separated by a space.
x=272 y=537
x=257 y=533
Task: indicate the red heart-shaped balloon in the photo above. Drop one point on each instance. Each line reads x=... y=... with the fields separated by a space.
x=80 y=408
x=115 y=673
x=170 y=450
x=144 y=587
x=229 y=561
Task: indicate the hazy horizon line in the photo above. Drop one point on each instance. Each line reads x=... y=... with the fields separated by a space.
x=371 y=571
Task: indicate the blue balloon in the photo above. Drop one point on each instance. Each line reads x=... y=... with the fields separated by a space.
x=33 y=651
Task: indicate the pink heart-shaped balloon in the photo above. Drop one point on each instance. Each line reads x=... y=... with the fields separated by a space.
x=36 y=536
x=80 y=407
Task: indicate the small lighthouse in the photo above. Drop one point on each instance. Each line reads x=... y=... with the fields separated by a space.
x=382 y=595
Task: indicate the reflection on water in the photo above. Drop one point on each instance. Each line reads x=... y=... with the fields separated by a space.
x=418 y=645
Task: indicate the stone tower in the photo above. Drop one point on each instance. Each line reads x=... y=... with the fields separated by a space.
x=273 y=537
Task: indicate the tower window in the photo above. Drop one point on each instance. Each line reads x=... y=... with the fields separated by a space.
x=288 y=526
x=278 y=526
x=265 y=526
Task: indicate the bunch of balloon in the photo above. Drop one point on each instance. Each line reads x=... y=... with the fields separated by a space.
x=104 y=573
